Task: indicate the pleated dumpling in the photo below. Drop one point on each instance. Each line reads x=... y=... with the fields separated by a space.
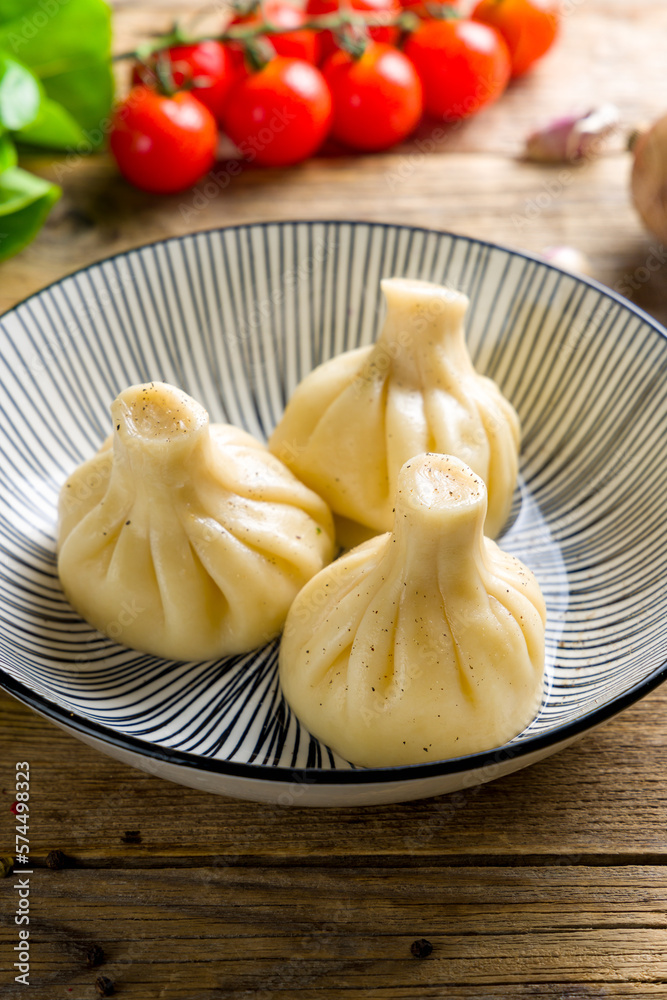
x=353 y=422
x=421 y=644
x=184 y=539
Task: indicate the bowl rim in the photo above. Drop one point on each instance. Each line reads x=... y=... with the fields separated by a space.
x=535 y=258
x=326 y=776
x=355 y=776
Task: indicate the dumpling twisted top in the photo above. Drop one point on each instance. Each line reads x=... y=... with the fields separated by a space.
x=353 y=422
x=184 y=539
x=421 y=644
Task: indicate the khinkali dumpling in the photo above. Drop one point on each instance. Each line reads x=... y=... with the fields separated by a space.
x=423 y=644
x=354 y=421
x=184 y=539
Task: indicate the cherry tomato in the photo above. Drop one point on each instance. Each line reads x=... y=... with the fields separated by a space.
x=300 y=44
x=280 y=114
x=327 y=39
x=528 y=26
x=208 y=66
x=163 y=144
x=463 y=66
x=377 y=97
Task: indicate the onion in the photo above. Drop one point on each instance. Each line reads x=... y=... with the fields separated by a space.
x=649 y=177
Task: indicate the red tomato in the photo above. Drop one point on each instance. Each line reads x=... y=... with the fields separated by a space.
x=208 y=63
x=377 y=98
x=463 y=66
x=327 y=40
x=281 y=114
x=528 y=26
x=300 y=44
x=163 y=144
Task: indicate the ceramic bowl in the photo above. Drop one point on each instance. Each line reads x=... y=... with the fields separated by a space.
x=237 y=317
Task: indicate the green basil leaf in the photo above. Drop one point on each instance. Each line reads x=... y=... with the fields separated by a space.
x=25 y=202
x=67 y=44
x=54 y=128
x=7 y=153
x=87 y=93
x=20 y=94
x=19 y=188
x=10 y=9
x=63 y=104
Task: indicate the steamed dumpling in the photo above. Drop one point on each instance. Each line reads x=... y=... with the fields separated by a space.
x=354 y=421
x=183 y=539
x=423 y=644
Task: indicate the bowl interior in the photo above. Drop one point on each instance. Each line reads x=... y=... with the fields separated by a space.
x=236 y=318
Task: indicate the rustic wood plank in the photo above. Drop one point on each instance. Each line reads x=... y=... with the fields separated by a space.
x=472 y=182
x=349 y=933
x=549 y=883
x=518 y=204
x=605 y=796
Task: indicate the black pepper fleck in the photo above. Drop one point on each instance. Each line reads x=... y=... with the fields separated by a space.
x=105 y=986
x=94 y=956
x=56 y=860
x=131 y=837
x=421 y=948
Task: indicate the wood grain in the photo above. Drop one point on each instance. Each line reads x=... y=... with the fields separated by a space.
x=472 y=181
x=550 y=883
x=602 y=798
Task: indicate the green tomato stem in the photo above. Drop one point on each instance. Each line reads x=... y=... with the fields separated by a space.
x=245 y=33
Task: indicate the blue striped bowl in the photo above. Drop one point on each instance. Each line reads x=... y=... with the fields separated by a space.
x=236 y=317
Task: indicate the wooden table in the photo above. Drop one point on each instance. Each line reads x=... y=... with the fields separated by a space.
x=548 y=883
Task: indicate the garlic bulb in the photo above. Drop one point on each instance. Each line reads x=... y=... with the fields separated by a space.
x=352 y=423
x=423 y=644
x=649 y=177
x=183 y=539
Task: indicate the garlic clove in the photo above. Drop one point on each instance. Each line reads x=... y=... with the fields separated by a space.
x=574 y=137
x=569 y=258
